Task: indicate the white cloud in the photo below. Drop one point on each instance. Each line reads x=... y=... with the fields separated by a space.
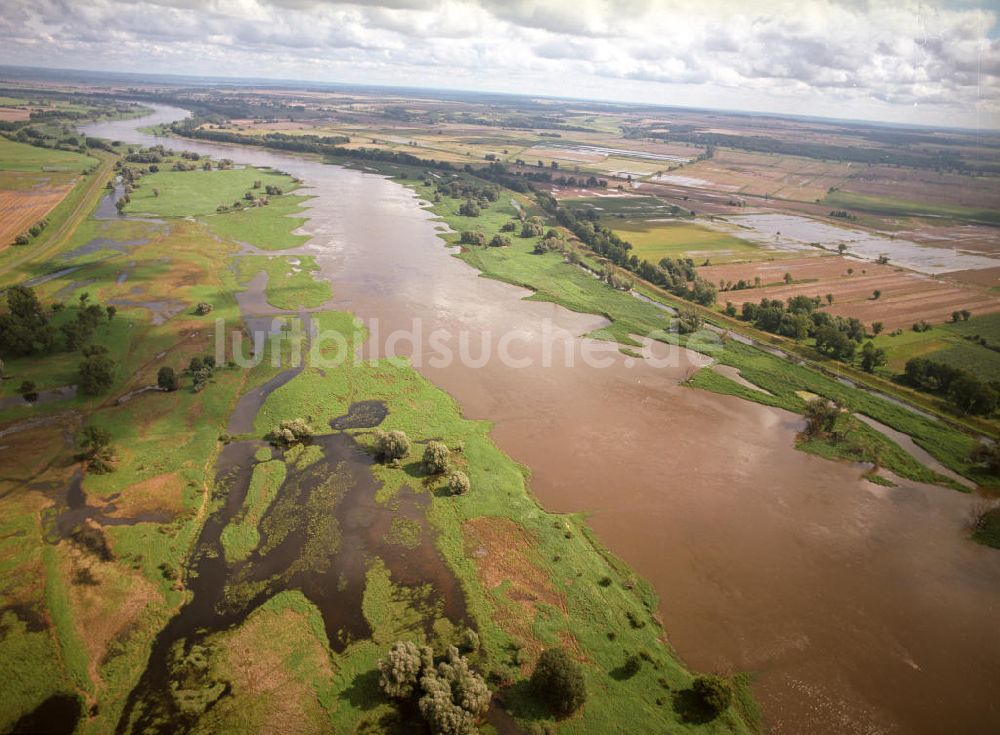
x=904 y=61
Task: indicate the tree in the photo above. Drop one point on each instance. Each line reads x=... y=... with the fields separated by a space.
x=872 y=357
x=500 y=241
x=166 y=379
x=451 y=696
x=436 y=457
x=558 y=680
x=829 y=299
x=821 y=416
x=96 y=374
x=972 y=396
x=714 y=692
x=987 y=456
x=469 y=209
x=391 y=446
x=28 y=391
x=688 y=321
x=834 y=342
x=877 y=328
x=876 y=293
x=95 y=445
x=788 y=277
x=454 y=697
x=956 y=316
x=458 y=482
x=399 y=671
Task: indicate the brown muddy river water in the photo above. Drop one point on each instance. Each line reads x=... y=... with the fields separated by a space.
x=861 y=609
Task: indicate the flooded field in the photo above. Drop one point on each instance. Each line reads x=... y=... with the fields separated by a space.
x=784 y=231
x=855 y=605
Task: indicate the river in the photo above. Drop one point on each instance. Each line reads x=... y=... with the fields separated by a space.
x=860 y=608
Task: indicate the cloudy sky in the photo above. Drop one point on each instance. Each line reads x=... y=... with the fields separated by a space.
x=893 y=60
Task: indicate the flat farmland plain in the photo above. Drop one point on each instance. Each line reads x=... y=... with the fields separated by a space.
x=904 y=297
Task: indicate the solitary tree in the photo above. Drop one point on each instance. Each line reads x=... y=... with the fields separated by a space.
x=714 y=692
x=96 y=374
x=876 y=293
x=558 y=680
x=166 y=379
x=95 y=445
x=821 y=415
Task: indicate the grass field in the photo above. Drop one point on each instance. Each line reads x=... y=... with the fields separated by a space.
x=900 y=207
x=655 y=240
x=22 y=157
x=198 y=193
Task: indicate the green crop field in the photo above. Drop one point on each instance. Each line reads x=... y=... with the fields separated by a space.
x=897 y=207
x=653 y=241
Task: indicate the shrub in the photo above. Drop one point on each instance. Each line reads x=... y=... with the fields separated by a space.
x=472 y=238
x=500 y=241
x=436 y=457
x=632 y=665
x=391 y=445
x=558 y=680
x=290 y=431
x=714 y=692
x=458 y=482
x=28 y=391
x=203 y=308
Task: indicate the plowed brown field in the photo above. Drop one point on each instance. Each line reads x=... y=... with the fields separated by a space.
x=905 y=297
x=19 y=210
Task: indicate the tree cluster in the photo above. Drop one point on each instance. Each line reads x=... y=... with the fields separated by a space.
x=450 y=696
x=959 y=387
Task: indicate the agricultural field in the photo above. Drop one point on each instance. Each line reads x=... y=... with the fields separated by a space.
x=653 y=240
x=905 y=297
x=761 y=175
x=33 y=181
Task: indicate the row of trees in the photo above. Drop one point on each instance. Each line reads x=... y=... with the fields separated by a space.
x=677 y=276
x=32 y=232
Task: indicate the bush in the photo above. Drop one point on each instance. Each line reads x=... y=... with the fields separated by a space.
x=203 y=308
x=392 y=445
x=558 y=680
x=500 y=241
x=436 y=457
x=28 y=391
x=290 y=431
x=458 y=482
x=714 y=693
x=472 y=238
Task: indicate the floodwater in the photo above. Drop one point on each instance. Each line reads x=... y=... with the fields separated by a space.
x=861 y=609
x=791 y=232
